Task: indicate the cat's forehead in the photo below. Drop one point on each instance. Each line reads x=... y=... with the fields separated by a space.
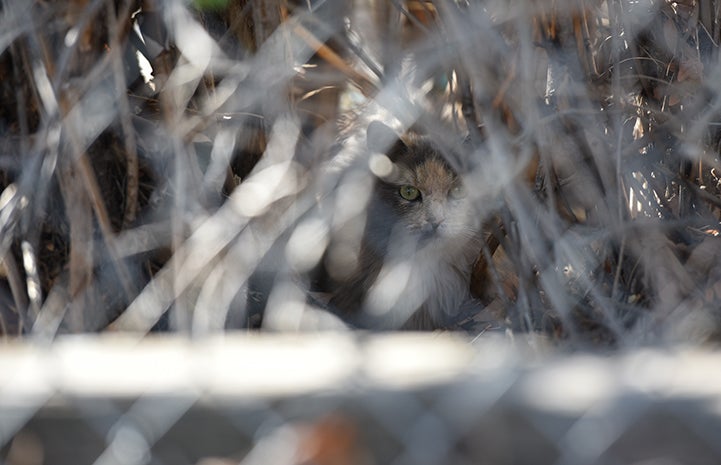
x=433 y=174
x=425 y=164
x=419 y=162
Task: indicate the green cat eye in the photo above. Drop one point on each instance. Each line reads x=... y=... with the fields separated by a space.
x=410 y=193
x=458 y=192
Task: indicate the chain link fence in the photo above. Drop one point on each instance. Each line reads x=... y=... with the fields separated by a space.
x=203 y=201
x=335 y=399
x=206 y=166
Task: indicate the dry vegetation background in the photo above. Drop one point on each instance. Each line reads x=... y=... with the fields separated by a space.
x=158 y=163
x=152 y=151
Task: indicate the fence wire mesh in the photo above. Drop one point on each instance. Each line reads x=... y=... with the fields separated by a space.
x=543 y=167
x=343 y=400
x=173 y=171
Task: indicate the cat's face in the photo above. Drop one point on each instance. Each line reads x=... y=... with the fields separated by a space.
x=428 y=199
x=423 y=196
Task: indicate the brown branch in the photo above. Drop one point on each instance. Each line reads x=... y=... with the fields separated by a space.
x=131 y=153
x=366 y=86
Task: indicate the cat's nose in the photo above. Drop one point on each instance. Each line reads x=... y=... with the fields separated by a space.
x=436 y=216
x=431 y=227
x=436 y=221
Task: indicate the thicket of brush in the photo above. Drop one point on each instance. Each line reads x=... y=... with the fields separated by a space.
x=152 y=151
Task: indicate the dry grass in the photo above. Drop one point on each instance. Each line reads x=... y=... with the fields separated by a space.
x=136 y=201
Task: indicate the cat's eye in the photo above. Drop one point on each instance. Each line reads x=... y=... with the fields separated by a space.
x=410 y=193
x=458 y=192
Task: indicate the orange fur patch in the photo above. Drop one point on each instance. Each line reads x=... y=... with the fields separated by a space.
x=432 y=176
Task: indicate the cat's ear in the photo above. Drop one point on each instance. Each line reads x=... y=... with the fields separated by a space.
x=382 y=139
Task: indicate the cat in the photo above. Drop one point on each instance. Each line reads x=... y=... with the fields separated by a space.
x=420 y=237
